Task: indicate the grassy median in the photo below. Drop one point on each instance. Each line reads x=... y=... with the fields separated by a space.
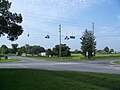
x=76 y=57
x=26 y=79
x=116 y=62
x=9 y=60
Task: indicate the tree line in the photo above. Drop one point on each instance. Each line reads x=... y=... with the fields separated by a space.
x=35 y=50
x=106 y=50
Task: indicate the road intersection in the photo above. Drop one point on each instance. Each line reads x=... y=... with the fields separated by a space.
x=99 y=66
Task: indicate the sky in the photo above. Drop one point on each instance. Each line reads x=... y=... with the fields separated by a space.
x=43 y=17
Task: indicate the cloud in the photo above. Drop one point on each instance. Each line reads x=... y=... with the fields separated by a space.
x=108 y=33
x=53 y=7
x=118 y=18
x=53 y=11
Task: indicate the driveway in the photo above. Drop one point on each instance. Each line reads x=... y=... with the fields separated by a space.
x=100 y=66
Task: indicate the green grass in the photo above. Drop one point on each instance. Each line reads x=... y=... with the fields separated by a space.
x=73 y=57
x=108 y=55
x=116 y=62
x=76 y=57
x=25 y=79
x=9 y=60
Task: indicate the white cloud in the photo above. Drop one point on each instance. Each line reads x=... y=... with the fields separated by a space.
x=118 y=18
x=108 y=30
x=107 y=36
x=49 y=10
x=52 y=7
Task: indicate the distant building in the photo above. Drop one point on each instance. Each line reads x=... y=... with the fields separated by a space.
x=24 y=54
x=43 y=54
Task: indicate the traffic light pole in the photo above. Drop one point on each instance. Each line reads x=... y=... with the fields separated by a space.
x=93 y=28
x=60 y=41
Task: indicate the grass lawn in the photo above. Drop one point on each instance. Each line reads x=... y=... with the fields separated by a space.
x=9 y=60
x=116 y=62
x=108 y=55
x=26 y=79
x=75 y=57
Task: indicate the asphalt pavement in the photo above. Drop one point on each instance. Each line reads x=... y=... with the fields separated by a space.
x=99 y=66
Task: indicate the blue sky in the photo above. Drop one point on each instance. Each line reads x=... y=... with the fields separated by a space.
x=42 y=17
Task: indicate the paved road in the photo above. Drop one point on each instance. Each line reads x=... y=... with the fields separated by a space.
x=101 y=66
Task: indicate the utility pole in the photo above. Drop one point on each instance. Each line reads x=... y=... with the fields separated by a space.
x=93 y=25
x=93 y=28
x=60 y=40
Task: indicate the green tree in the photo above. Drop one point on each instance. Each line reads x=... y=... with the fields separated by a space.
x=9 y=22
x=76 y=51
x=22 y=50
x=4 y=49
x=106 y=49
x=65 y=50
x=14 y=48
x=34 y=49
x=100 y=51
x=49 y=52
x=88 y=44
x=37 y=49
x=27 y=46
x=111 y=50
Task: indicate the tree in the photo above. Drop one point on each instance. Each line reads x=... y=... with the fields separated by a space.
x=65 y=50
x=49 y=52
x=4 y=49
x=76 y=51
x=14 y=48
x=37 y=49
x=100 y=51
x=9 y=22
x=106 y=49
x=22 y=50
x=88 y=44
x=111 y=51
x=27 y=46
x=32 y=49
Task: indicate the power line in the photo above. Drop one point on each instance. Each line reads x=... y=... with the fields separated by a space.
x=57 y=18
x=38 y=15
x=55 y=22
x=65 y=20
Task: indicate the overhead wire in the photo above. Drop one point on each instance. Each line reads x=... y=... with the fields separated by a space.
x=55 y=22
